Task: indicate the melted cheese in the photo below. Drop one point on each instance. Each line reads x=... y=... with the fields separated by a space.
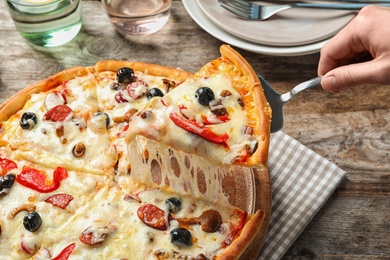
x=56 y=140
x=103 y=204
x=158 y=125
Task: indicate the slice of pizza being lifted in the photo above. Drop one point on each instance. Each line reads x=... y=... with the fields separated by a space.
x=220 y=114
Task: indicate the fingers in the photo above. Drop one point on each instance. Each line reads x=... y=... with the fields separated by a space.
x=371 y=72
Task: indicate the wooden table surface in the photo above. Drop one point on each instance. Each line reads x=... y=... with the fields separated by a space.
x=351 y=129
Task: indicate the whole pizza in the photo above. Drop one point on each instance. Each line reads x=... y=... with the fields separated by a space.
x=127 y=160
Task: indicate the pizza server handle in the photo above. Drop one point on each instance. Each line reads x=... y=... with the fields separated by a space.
x=276 y=100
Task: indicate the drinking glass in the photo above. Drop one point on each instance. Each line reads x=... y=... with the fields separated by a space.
x=47 y=23
x=136 y=17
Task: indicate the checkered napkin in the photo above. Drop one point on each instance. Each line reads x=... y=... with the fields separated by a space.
x=301 y=182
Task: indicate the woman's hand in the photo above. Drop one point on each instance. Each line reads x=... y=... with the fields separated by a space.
x=360 y=53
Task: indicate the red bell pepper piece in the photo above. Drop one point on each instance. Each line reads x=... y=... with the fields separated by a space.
x=65 y=253
x=202 y=131
x=6 y=165
x=36 y=180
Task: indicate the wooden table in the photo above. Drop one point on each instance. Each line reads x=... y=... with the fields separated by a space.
x=351 y=129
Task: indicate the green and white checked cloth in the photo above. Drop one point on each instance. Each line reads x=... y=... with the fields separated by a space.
x=301 y=182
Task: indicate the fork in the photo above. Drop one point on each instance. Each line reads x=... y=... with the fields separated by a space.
x=254 y=11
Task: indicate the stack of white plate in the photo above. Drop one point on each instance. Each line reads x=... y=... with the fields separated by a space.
x=292 y=32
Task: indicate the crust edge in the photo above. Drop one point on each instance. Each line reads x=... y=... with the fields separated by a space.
x=263 y=116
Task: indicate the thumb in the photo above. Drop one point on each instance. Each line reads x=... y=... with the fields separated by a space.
x=353 y=75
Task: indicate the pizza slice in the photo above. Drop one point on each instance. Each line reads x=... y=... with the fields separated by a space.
x=123 y=88
x=220 y=114
x=35 y=200
x=60 y=124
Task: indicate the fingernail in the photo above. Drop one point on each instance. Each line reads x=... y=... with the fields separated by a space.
x=329 y=84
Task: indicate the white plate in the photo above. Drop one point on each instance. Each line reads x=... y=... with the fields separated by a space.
x=201 y=19
x=292 y=27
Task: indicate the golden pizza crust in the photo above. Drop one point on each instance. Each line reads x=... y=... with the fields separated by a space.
x=248 y=233
x=17 y=101
x=151 y=69
x=262 y=111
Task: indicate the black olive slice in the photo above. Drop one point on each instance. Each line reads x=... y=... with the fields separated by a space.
x=181 y=237
x=154 y=92
x=204 y=95
x=28 y=120
x=173 y=204
x=125 y=75
x=32 y=221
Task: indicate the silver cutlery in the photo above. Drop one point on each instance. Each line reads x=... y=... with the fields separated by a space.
x=276 y=100
x=255 y=11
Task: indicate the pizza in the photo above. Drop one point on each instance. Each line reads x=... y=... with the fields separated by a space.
x=220 y=113
x=80 y=180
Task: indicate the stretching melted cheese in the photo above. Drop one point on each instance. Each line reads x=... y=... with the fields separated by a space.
x=101 y=220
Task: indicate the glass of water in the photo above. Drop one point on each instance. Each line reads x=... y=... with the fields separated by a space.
x=47 y=23
x=135 y=17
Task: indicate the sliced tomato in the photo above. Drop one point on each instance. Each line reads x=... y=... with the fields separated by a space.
x=6 y=165
x=59 y=200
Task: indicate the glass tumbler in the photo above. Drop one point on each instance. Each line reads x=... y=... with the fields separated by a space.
x=47 y=23
x=136 y=17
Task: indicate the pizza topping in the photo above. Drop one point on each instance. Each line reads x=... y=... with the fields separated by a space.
x=6 y=183
x=78 y=150
x=28 y=120
x=210 y=221
x=181 y=237
x=240 y=102
x=153 y=216
x=53 y=99
x=115 y=86
x=94 y=235
x=29 y=244
x=154 y=92
x=37 y=180
x=202 y=131
x=173 y=204
x=24 y=207
x=59 y=200
x=59 y=113
x=65 y=253
x=137 y=89
x=147 y=114
x=226 y=93
x=32 y=221
x=217 y=108
x=100 y=122
x=236 y=229
x=249 y=130
x=120 y=98
x=127 y=116
x=169 y=84
x=42 y=254
x=125 y=75
x=204 y=95
x=6 y=165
